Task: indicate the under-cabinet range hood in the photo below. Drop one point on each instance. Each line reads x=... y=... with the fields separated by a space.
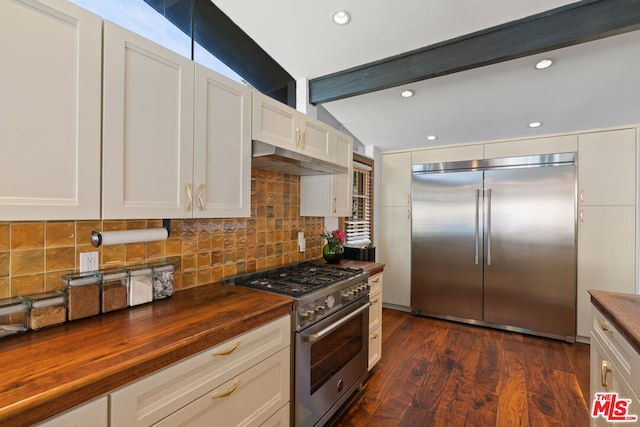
x=270 y=157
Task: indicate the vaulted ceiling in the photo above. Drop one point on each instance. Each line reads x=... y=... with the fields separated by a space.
x=467 y=88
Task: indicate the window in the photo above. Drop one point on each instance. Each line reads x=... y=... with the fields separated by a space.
x=358 y=227
x=218 y=43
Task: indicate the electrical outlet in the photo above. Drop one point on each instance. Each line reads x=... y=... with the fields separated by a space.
x=302 y=243
x=88 y=261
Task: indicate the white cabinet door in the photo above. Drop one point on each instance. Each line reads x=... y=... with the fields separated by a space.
x=606 y=255
x=275 y=123
x=222 y=146
x=317 y=139
x=50 y=107
x=607 y=167
x=330 y=195
x=451 y=154
x=395 y=253
x=529 y=147
x=395 y=179
x=91 y=414
x=147 y=128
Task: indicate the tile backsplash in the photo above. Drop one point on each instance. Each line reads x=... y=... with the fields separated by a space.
x=35 y=254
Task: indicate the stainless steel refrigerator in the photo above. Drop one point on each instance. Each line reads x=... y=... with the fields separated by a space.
x=494 y=243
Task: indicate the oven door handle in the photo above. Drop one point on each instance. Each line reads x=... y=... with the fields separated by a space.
x=328 y=329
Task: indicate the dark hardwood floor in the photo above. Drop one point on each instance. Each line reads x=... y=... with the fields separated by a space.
x=440 y=373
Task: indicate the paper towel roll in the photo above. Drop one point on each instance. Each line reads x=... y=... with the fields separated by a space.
x=128 y=236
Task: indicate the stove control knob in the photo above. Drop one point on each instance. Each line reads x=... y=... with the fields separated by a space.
x=330 y=301
x=308 y=315
x=320 y=309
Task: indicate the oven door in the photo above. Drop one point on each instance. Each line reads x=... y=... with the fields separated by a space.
x=331 y=362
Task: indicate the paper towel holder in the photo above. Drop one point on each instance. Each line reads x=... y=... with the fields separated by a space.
x=133 y=236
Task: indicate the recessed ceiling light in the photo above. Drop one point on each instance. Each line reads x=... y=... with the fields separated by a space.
x=545 y=63
x=341 y=17
x=406 y=93
x=432 y=138
x=535 y=124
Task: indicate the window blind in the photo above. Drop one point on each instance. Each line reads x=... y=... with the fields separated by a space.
x=358 y=225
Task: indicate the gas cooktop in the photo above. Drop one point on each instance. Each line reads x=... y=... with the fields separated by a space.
x=295 y=280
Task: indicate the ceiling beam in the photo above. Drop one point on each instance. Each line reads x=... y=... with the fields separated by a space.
x=572 y=24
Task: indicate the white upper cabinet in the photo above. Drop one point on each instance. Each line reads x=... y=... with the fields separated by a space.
x=330 y=195
x=285 y=127
x=147 y=130
x=607 y=167
x=50 y=109
x=317 y=138
x=176 y=136
x=530 y=147
x=222 y=146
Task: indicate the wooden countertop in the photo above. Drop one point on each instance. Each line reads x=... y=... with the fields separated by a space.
x=49 y=371
x=622 y=310
x=371 y=267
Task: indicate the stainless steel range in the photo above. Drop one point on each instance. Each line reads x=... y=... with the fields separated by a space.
x=331 y=333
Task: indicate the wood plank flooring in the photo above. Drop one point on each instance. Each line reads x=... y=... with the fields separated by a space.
x=440 y=373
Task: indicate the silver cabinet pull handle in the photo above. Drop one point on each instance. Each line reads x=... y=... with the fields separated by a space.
x=489 y=226
x=477 y=226
x=581 y=216
x=582 y=195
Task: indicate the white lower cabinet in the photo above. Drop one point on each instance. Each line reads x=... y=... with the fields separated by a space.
x=375 y=319
x=250 y=398
x=244 y=380
x=91 y=414
x=615 y=367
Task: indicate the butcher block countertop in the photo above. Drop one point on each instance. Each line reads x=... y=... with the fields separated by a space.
x=622 y=310
x=371 y=267
x=49 y=371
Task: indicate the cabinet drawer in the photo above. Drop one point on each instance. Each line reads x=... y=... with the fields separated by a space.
x=617 y=347
x=375 y=284
x=156 y=396
x=375 y=346
x=375 y=296
x=606 y=376
x=248 y=399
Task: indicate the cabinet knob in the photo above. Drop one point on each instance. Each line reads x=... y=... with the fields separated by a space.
x=605 y=327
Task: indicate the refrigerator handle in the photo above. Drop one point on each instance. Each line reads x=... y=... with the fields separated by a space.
x=477 y=225
x=489 y=226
